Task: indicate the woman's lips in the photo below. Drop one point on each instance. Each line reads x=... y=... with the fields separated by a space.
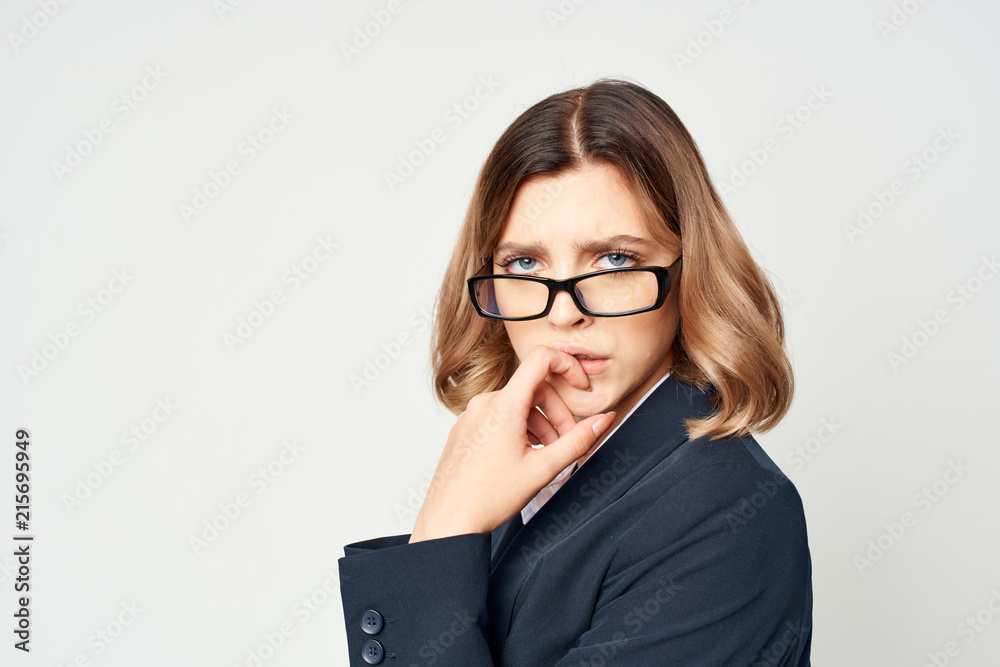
x=593 y=366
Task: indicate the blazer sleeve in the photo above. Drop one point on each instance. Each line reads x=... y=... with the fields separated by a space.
x=417 y=603
x=717 y=572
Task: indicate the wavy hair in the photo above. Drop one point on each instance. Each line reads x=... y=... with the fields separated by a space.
x=730 y=340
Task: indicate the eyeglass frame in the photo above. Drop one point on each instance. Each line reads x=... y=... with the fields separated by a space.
x=666 y=276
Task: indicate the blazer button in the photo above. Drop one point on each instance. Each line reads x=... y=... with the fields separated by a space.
x=371 y=622
x=372 y=652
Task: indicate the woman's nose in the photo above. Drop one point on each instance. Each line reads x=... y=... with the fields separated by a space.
x=564 y=312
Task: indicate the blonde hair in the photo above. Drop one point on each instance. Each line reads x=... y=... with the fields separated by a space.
x=730 y=340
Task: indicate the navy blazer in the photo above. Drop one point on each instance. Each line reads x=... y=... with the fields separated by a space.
x=659 y=550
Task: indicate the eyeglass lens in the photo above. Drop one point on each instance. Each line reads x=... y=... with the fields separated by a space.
x=609 y=293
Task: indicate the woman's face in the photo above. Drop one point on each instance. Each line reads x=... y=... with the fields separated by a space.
x=589 y=206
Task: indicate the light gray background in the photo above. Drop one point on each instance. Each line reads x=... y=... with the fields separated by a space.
x=365 y=453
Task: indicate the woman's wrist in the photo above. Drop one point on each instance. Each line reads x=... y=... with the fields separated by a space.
x=426 y=529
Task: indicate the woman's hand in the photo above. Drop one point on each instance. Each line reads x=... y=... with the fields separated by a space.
x=488 y=470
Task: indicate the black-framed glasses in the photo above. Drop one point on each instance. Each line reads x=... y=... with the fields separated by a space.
x=607 y=293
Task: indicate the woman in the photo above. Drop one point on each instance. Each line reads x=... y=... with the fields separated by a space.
x=600 y=500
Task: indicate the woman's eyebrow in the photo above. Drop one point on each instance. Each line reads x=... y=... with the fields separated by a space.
x=590 y=245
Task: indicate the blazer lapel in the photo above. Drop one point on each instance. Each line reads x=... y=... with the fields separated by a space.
x=642 y=441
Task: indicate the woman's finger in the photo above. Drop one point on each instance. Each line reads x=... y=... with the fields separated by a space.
x=556 y=411
x=541 y=427
x=571 y=446
x=521 y=389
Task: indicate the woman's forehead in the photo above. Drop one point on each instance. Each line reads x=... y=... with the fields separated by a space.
x=585 y=203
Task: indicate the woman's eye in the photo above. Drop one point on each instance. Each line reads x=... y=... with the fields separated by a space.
x=616 y=260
